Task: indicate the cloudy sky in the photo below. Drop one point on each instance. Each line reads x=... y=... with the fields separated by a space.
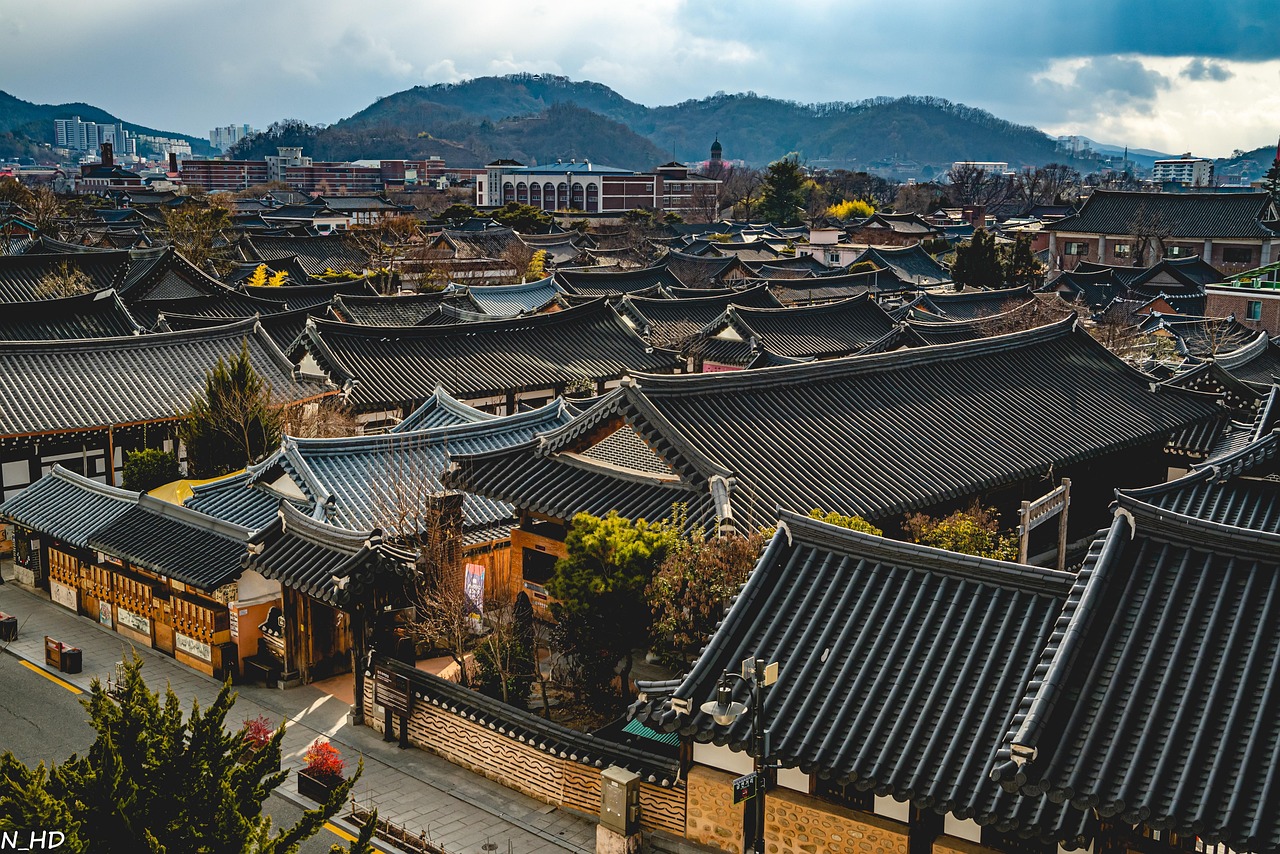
x=1171 y=75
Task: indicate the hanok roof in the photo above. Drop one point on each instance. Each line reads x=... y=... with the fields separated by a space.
x=98 y=314
x=284 y=327
x=486 y=243
x=970 y=305
x=352 y=204
x=595 y=283
x=875 y=435
x=314 y=254
x=93 y=384
x=310 y=294
x=820 y=331
x=809 y=290
x=902 y=223
x=910 y=263
x=1154 y=700
x=20 y=275
x=512 y=300
x=174 y=541
x=1256 y=363
x=226 y=305
x=67 y=506
x=399 y=365
x=165 y=274
x=672 y=322
x=395 y=310
x=441 y=410
x=695 y=271
x=898 y=667
x=1173 y=215
x=334 y=565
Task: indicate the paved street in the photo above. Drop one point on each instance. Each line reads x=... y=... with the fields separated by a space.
x=459 y=810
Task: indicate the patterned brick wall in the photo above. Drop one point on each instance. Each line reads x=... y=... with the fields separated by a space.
x=794 y=823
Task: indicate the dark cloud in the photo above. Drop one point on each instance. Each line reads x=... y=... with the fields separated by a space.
x=1202 y=69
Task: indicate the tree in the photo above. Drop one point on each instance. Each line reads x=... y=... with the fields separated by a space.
x=151 y=467
x=235 y=421
x=853 y=523
x=386 y=243
x=64 y=280
x=1019 y=262
x=523 y=218
x=537 y=268
x=1271 y=181
x=196 y=230
x=688 y=592
x=919 y=198
x=849 y=209
x=457 y=213
x=969 y=184
x=783 y=194
x=598 y=591
x=977 y=262
x=972 y=531
x=155 y=780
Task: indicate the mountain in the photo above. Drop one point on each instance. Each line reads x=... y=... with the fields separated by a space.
x=24 y=125
x=536 y=118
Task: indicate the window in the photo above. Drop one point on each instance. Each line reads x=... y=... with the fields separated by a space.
x=833 y=257
x=1253 y=310
x=1122 y=250
x=1176 y=252
x=1076 y=248
x=1237 y=255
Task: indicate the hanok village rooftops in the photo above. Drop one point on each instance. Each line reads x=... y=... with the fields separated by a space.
x=876 y=435
x=94 y=384
x=898 y=667
x=1175 y=215
x=397 y=367
x=672 y=322
x=97 y=314
x=1155 y=698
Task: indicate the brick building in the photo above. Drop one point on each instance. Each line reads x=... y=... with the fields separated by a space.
x=593 y=188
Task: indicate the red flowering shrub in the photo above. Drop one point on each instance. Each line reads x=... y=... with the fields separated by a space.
x=257 y=733
x=324 y=760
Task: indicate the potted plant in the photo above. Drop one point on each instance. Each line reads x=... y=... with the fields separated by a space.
x=255 y=736
x=323 y=771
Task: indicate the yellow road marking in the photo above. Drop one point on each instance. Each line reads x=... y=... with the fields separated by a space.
x=338 y=831
x=54 y=679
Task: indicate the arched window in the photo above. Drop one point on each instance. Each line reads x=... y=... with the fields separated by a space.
x=562 y=200
x=575 y=200
x=508 y=192
x=549 y=193
x=522 y=193
x=535 y=195
x=593 y=198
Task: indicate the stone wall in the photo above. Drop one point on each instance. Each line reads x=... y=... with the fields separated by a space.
x=794 y=823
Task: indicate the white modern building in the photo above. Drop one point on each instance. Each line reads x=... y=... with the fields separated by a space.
x=1185 y=170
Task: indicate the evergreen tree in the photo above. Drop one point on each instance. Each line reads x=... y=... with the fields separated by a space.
x=157 y=781
x=234 y=422
x=1271 y=181
x=146 y=469
x=1020 y=264
x=784 y=195
x=977 y=263
x=599 y=606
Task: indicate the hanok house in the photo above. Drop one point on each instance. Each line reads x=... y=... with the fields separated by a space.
x=334 y=583
x=1230 y=231
x=82 y=404
x=388 y=481
x=898 y=667
x=1154 y=703
x=998 y=419
x=496 y=366
x=159 y=574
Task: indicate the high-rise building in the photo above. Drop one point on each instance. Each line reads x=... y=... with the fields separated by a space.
x=224 y=137
x=80 y=135
x=1186 y=170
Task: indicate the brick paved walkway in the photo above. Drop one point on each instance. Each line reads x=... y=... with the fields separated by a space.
x=460 y=811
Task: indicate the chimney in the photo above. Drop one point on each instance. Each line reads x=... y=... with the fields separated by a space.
x=173 y=161
x=107 y=158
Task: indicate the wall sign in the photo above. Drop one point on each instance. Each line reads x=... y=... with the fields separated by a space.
x=63 y=595
x=191 y=646
x=133 y=621
x=104 y=613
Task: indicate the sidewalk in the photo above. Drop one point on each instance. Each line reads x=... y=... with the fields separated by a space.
x=460 y=811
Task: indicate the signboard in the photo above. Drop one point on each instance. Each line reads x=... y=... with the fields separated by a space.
x=236 y=614
x=63 y=594
x=104 y=614
x=133 y=621
x=191 y=646
x=473 y=588
x=391 y=690
x=744 y=788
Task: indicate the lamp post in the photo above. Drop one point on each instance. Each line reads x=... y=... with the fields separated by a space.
x=724 y=711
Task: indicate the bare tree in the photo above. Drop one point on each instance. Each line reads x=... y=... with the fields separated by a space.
x=974 y=185
x=1149 y=229
x=387 y=243
x=327 y=418
x=741 y=191
x=704 y=204
x=64 y=280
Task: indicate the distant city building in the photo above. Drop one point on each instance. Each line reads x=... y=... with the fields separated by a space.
x=991 y=167
x=290 y=166
x=1186 y=170
x=593 y=188
x=224 y=137
x=78 y=135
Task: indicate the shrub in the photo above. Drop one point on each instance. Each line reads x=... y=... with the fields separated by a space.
x=324 y=761
x=257 y=733
x=146 y=469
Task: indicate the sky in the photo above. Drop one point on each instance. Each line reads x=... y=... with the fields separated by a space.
x=1170 y=75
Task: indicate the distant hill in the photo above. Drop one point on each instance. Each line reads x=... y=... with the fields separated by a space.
x=24 y=125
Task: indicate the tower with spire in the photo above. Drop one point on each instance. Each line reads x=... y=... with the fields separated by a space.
x=716 y=151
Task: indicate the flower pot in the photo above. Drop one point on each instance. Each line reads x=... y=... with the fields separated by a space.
x=316 y=788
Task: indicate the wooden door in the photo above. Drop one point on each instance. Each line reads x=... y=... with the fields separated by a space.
x=164 y=626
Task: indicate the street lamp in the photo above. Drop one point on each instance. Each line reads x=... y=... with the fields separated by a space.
x=724 y=711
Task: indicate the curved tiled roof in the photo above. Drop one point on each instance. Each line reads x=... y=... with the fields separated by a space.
x=674 y=321
x=899 y=666
x=441 y=410
x=20 y=275
x=67 y=506
x=397 y=310
x=1176 y=215
x=297 y=296
x=970 y=305
x=512 y=300
x=98 y=314
x=601 y=283
x=97 y=383
x=397 y=365
x=1155 y=698
x=313 y=254
x=820 y=331
x=910 y=263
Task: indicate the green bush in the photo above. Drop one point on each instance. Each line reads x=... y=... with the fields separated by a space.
x=151 y=467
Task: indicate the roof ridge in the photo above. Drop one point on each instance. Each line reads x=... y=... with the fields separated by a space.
x=154 y=339
x=192 y=517
x=586 y=311
x=83 y=482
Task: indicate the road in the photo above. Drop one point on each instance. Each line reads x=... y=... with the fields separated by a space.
x=42 y=720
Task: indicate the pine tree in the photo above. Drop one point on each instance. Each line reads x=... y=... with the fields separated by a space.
x=156 y=780
x=1271 y=181
x=1020 y=264
x=977 y=263
x=234 y=422
x=784 y=196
